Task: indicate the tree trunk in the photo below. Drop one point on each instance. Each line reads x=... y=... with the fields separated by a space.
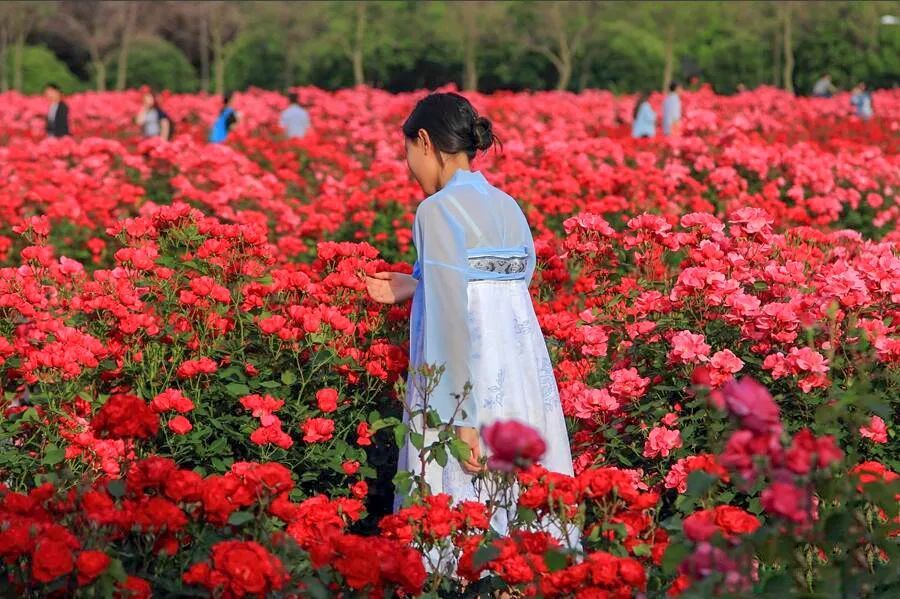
x=4 y=71
x=100 y=72
x=565 y=73
x=470 y=73
x=18 y=51
x=788 y=50
x=359 y=77
x=669 y=57
x=127 y=30
x=470 y=44
x=204 y=54
x=218 y=56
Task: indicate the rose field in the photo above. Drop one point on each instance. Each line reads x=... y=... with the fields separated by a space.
x=200 y=400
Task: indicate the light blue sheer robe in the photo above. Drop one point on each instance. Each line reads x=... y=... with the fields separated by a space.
x=671 y=112
x=645 y=122
x=468 y=218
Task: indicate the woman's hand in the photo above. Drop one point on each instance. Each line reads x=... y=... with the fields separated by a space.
x=470 y=437
x=391 y=287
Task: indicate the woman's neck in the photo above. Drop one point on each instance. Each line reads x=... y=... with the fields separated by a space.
x=451 y=166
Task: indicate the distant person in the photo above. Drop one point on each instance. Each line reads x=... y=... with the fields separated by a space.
x=823 y=88
x=226 y=119
x=741 y=88
x=152 y=119
x=294 y=120
x=671 y=119
x=644 y=118
x=861 y=100
x=58 y=114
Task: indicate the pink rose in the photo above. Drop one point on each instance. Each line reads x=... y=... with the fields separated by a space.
x=876 y=430
x=787 y=501
x=661 y=441
x=751 y=403
x=512 y=444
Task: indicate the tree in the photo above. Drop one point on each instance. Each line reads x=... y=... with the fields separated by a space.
x=788 y=40
x=100 y=27
x=475 y=21
x=129 y=16
x=17 y=21
x=557 y=31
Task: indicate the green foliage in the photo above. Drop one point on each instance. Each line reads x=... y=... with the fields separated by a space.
x=257 y=59
x=159 y=64
x=39 y=67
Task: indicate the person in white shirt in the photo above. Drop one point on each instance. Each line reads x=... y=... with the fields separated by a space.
x=671 y=119
x=294 y=119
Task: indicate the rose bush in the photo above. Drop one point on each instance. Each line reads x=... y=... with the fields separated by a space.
x=199 y=397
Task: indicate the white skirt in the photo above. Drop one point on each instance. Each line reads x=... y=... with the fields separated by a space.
x=512 y=380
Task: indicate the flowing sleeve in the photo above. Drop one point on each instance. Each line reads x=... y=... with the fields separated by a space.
x=528 y=242
x=443 y=266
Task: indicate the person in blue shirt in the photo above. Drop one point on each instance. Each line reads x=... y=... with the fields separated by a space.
x=294 y=119
x=861 y=100
x=644 y=123
x=226 y=119
x=671 y=119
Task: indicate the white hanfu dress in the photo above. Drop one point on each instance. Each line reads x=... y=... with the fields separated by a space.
x=472 y=312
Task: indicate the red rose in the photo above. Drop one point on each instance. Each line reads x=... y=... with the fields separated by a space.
x=360 y=489
x=350 y=467
x=700 y=526
x=327 y=400
x=134 y=588
x=126 y=416
x=316 y=430
x=180 y=425
x=90 y=565
x=512 y=444
x=735 y=521
x=51 y=560
x=363 y=434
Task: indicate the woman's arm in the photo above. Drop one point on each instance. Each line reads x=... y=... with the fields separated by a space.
x=141 y=116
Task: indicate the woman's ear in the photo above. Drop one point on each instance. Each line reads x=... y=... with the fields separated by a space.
x=425 y=141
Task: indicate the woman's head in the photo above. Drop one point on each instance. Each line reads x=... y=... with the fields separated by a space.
x=150 y=99
x=443 y=130
x=226 y=99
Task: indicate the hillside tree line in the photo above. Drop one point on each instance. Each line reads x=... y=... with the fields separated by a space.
x=402 y=45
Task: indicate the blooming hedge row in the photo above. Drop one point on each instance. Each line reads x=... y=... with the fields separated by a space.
x=199 y=398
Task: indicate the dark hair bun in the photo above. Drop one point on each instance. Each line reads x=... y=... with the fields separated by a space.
x=482 y=132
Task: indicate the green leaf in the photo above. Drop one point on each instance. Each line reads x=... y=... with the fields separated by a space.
x=400 y=434
x=439 y=453
x=674 y=555
x=270 y=384
x=240 y=518
x=641 y=550
x=433 y=419
x=116 y=488
x=417 y=440
x=837 y=525
x=53 y=455
x=237 y=389
x=699 y=482
x=555 y=560
x=459 y=449
x=484 y=555
x=288 y=377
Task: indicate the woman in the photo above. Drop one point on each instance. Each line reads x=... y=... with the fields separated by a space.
x=861 y=101
x=226 y=119
x=152 y=119
x=472 y=311
x=644 y=118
